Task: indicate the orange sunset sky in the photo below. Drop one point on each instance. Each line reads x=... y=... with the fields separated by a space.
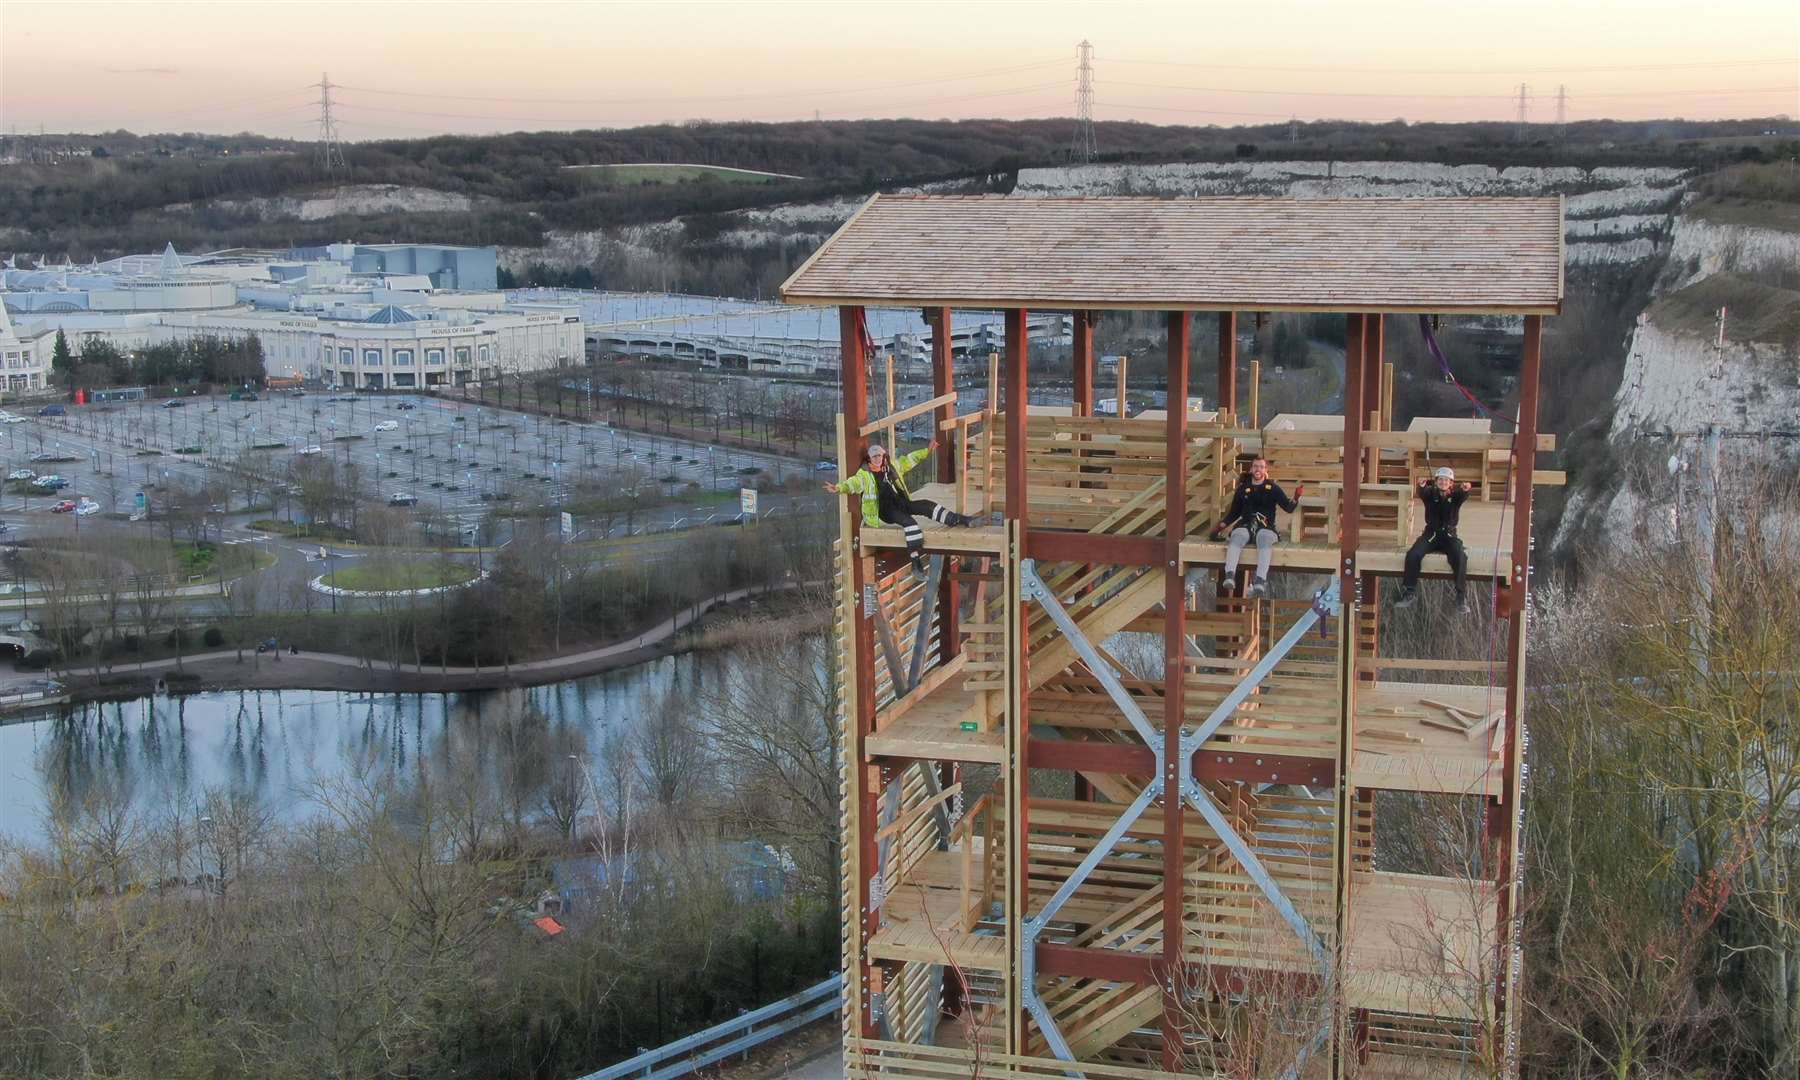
x=414 y=68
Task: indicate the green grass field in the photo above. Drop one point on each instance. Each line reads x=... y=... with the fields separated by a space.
x=676 y=174
x=386 y=577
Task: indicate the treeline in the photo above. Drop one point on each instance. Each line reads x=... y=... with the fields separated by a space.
x=233 y=361
x=104 y=206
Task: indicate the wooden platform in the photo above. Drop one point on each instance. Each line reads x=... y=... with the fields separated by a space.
x=922 y=921
x=1415 y=944
x=1429 y=757
x=932 y=729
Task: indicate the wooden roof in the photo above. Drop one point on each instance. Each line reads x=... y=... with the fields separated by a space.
x=1475 y=255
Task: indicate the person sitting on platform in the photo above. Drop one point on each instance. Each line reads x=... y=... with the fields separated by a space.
x=1443 y=498
x=886 y=499
x=1253 y=512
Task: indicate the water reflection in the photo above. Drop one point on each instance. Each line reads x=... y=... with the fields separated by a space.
x=168 y=751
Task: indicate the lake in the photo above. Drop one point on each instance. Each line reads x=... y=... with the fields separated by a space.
x=276 y=744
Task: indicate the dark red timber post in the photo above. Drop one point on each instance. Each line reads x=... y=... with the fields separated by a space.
x=1350 y=522
x=1373 y=343
x=1518 y=601
x=1174 y=683
x=1083 y=363
x=865 y=778
x=943 y=381
x=1228 y=357
x=1019 y=722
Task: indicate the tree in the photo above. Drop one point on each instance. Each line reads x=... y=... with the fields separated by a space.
x=62 y=362
x=772 y=723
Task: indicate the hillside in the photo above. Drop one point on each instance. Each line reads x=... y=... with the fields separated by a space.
x=136 y=193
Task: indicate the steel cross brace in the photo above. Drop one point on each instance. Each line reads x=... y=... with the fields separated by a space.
x=1325 y=602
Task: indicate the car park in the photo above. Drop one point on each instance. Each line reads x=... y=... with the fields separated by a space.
x=67 y=506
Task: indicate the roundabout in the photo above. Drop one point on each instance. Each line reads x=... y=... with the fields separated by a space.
x=396 y=579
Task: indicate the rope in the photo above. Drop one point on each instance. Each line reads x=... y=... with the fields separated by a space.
x=1443 y=363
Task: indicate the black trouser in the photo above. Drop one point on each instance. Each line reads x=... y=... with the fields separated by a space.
x=901 y=514
x=1443 y=543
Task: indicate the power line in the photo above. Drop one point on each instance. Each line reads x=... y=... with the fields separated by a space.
x=660 y=100
x=1524 y=112
x=1083 y=150
x=1708 y=64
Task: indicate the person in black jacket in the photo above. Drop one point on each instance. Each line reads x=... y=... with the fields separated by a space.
x=1443 y=498
x=1252 y=513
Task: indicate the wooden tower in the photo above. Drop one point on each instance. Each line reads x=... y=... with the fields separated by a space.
x=1059 y=863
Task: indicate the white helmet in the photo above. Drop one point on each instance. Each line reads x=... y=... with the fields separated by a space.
x=876 y=448
x=1444 y=474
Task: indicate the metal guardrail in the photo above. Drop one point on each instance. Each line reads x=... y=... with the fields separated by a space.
x=685 y=1056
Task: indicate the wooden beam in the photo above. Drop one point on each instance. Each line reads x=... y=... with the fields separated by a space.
x=1228 y=359
x=942 y=402
x=1047 y=546
x=1017 y=413
x=860 y=667
x=943 y=382
x=1506 y=995
x=1084 y=363
x=1174 y=675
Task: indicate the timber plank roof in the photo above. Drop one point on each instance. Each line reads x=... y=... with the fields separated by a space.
x=1468 y=255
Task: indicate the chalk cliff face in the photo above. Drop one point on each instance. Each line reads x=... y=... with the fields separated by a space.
x=1614 y=215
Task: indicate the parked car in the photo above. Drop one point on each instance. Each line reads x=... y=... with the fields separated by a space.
x=43 y=455
x=21 y=474
x=86 y=508
x=387 y=425
x=401 y=498
x=406 y=406
x=64 y=507
x=243 y=395
x=308 y=451
x=174 y=403
x=50 y=482
x=267 y=645
x=12 y=418
x=53 y=410
x=825 y=466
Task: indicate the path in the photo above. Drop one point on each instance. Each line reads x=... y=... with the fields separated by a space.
x=565 y=666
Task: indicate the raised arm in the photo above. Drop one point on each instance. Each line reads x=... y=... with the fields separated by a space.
x=908 y=462
x=1282 y=500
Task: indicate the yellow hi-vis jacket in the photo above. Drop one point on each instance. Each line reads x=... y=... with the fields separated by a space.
x=865 y=484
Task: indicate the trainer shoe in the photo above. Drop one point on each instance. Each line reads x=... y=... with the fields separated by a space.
x=918 y=569
x=1407 y=598
x=1462 y=605
x=1259 y=587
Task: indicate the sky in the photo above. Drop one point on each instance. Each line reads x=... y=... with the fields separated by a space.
x=402 y=68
